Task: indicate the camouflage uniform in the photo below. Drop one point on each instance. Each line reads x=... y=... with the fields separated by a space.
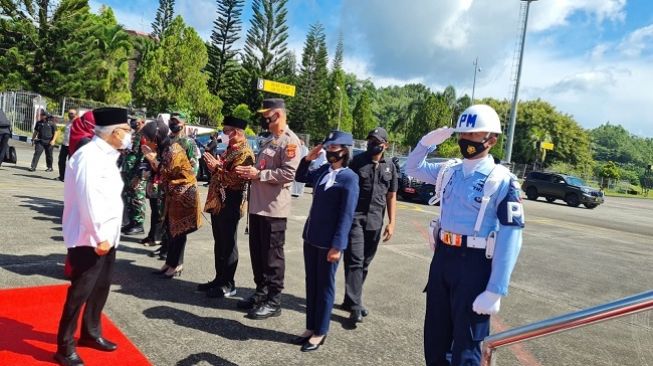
x=192 y=151
x=135 y=181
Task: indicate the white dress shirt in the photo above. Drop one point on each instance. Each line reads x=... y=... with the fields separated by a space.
x=330 y=178
x=93 y=205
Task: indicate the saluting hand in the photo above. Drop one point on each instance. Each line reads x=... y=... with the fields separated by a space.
x=103 y=248
x=333 y=255
x=314 y=153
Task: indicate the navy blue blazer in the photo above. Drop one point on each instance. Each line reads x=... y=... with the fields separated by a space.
x=332 y=211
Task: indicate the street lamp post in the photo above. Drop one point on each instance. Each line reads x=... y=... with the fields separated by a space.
x=339 y=109
x=513 y=107
x=476 y=69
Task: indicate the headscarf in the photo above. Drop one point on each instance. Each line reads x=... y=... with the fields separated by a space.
x=81 y=131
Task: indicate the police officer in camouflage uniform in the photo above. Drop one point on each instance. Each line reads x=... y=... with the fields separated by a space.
x=133 y=167
x=269 y=206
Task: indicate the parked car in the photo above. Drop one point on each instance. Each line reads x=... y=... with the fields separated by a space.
x=554 y=186
x=413 y=189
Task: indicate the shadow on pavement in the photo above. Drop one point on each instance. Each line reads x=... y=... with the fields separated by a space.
x=225 y=328
x=50 y=265
x=205 y=357
x=36 y=176
x=48 y=208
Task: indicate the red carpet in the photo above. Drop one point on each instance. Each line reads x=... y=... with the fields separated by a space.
x=29 y=318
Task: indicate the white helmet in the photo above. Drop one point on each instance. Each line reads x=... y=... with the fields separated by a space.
x=479 y=118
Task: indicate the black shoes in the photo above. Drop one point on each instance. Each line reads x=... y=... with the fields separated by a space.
x=266 y=310
x=346 y=307
x=204 y=287
x=133 y=230
x=100 y=344
x=249 y=303
x=356 y=316
x=71 y=360
x=32 y=169
x=308 y=346
x=299 y=340
x=48 y=170
x=220 y=292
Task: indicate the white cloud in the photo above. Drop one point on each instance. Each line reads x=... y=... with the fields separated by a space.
x=548 y=14
x=637 y=42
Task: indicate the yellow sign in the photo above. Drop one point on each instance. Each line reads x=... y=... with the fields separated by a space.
x=547 y=145
x=276 y=87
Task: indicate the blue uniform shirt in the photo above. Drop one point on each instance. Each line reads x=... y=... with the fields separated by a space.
x=461 y=201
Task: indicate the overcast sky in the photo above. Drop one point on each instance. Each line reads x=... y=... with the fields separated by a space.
x=589 y=58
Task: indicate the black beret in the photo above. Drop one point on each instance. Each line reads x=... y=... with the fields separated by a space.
x=272 y=103
x=234 y=122
x=110 y=116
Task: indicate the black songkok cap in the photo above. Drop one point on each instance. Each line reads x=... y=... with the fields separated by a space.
x=110 y=116
x=234 y=122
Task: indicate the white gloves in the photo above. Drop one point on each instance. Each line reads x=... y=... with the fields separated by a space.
x=436 y=137
x=487 y=303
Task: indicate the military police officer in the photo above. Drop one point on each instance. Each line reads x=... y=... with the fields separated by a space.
x=476 y=240
x=378 y=189
x=269 y=206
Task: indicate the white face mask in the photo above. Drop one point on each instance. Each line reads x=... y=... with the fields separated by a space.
x=126 y=142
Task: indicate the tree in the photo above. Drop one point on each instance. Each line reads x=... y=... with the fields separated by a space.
x=309 y=109
x=171 y=76
x=337 y=103
x=223 y=68
x=30 y=30
x=164 y=15
x=607 y=172
x=364 y=120
x=433 y=113
x=265 y=51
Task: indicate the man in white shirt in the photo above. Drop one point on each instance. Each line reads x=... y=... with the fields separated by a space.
x=91 y=228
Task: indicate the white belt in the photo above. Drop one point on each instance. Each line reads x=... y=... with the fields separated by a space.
x=456 y=240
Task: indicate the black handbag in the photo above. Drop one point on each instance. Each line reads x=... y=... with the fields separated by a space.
x=10 y=157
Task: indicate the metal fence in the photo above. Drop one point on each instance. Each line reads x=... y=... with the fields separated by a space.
x=21 y=108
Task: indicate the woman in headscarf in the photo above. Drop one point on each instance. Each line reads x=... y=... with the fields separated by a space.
x=81 y=132
x=326 y=232
x=182 y=209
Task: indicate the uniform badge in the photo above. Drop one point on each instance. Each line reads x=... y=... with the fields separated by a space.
x=291 y=150
x=261 y=164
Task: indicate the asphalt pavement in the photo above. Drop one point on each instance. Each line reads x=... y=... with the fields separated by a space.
x=572 y=258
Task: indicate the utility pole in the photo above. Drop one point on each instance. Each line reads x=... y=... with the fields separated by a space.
x=476 y=68
x=515 y=97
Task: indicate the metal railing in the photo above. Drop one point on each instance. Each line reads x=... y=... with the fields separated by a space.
x=626 y=306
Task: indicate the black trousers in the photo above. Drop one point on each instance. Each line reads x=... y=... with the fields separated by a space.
x=358 y=256
x=4 y=146
x=176 y=249
x=267 y=236
x=39 y=147
x=63 y=157
x=225 y=249
x=90 y=282
x=156 y=219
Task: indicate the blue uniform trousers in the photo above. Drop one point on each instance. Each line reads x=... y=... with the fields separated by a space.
x=452 y=330
x=320 y=288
